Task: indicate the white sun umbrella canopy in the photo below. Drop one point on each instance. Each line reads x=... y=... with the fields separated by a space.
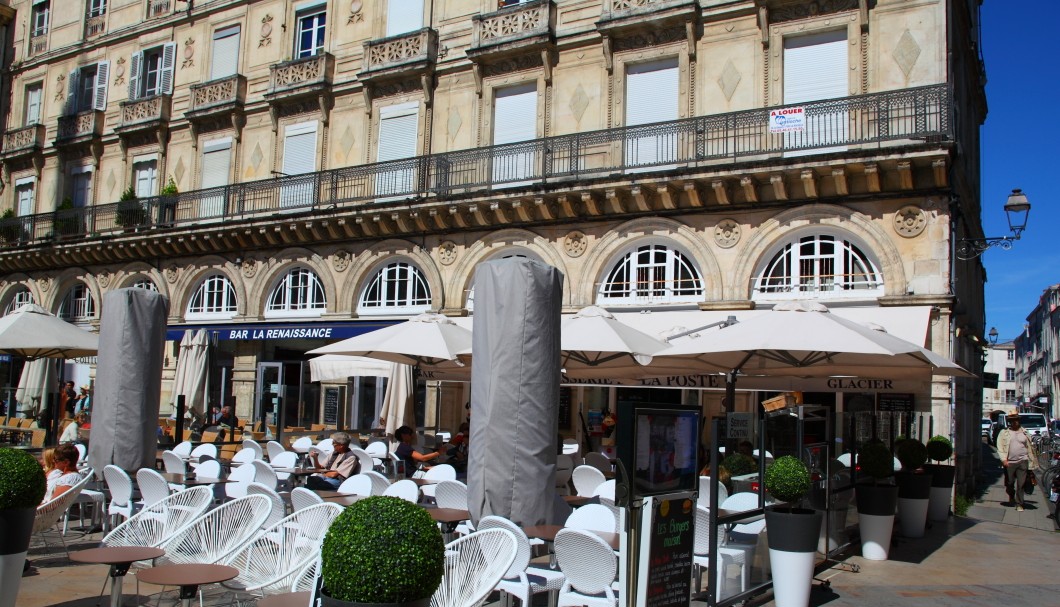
x=32 y=332
x=426 y=339
x=594 y=343
x=339 y=367
x=189 y=378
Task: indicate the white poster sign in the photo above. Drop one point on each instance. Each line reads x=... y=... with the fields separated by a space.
x=739 y=426
x=788 y=119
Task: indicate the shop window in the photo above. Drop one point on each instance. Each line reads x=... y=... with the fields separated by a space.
x=78 y=305
x=819 y=265
x=651 y=274
x=298 y=293
x=397 y=288
x=215 y=298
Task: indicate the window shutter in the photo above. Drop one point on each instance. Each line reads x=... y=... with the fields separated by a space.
x=403 y=16
x=515 y=114
x=216 y=164
x=815 y=67
x=102 y=75
x=398 y=128
x=135 y=63
x=651 y=92
x=33 y=104
x=225 y=59
x=300 y=148
x=71 y=89
x=169 y=58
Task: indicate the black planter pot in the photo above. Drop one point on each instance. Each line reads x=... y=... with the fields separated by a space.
x=912 y=485
x=16 y=528
x=941 y=474
x=794 y=529
x=876 y=500
x=328 y=601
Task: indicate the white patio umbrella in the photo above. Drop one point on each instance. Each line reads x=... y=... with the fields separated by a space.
x=32 y=332
x=426 y=339
x=189 y=377
x=593 y=343
x=333 y=367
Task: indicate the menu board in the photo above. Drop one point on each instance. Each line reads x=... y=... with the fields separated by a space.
x=331 y=406
x=895 y=402
x=564 y=407
x=671 y=537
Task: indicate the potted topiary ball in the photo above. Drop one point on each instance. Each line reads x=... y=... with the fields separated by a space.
x=914 y=487
x=381 y=551
x=22 y=486
x=793 y=531
x=940 y=449
x=876 y=499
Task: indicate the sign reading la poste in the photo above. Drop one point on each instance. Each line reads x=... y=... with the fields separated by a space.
x=787 y=120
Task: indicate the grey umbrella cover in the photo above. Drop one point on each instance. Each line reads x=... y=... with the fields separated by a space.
x=132 y=338
x=514 y=390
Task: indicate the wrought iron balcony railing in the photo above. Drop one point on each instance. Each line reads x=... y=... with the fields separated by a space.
x=899 y=117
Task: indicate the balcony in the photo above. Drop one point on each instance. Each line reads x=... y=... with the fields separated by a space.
x=38 y=44
x=159 y=8
x=630 y=24
x=79 y=128
x=26 y=141
x=513 y=29
x=851 y=146
x=293 y=83
x=217 y=104
x=147 y=116
x=400 y=64
x=95 y=25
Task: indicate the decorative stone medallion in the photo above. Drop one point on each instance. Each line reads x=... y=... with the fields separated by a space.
x=249 y=267
x=103 y=278
x=575 y=243
x=45 y=283
x=356 y=15
x=447 y=253
x=266 y=31
x=119 y=72
x=189 y=54
x=910 y=221
x=340 y=260
x=727 y=233
x=171 y=274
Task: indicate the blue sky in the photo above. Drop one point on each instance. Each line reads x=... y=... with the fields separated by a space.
x=1023 y=90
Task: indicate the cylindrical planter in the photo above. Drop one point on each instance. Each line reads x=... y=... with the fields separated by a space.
x=327 y=601
x=16 y=528
x=793 y=536
x=876 y=504
x=941 y=491
x=914 y=492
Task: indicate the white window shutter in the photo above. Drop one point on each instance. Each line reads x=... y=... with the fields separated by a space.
x=651 y=92
x=225 y=59
x=403 y=16
x=398 y=130
x=102 y=75
x=169 y=58
x=72 y=89
x=515 y=114
x=300 y=148
x=135 y=64
x=815 y=67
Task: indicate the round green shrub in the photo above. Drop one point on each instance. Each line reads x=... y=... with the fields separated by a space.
x=382 y=550
x=912 y=453
x=739 y=464
x=939 y=448
x=875 y=460
x=22 y=481
x=788 y=479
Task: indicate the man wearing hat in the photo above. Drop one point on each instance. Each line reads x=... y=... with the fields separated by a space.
x=1017 y=455
x=84 y=401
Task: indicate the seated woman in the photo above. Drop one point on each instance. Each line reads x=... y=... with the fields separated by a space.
x=407 y=454
x=65 y=475
x=69 y=434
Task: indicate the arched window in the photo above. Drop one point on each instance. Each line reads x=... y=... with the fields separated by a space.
x=397 y=288
x=818 y=265
x=146 y=284
x=298 y=293
x=78 y=305
x=215 y=298
x=470 y=305
x=652 y=274
x=19 y=299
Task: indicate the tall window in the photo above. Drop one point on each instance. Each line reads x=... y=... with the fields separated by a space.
x=97 y=8
x=310 y=41
x=215 y=298
x=397 y=288
x=78 y=305
x=34 y=95
x=1010 y=396
x=81 y=186
x=1010 y=374
x=40 y=18
x=1010 y=355
x=151 y=72
x=403 y=16
x=224 y=58
x=25 y=193
x=145 y=177
x=820 y=265
x=88 y=87
x=21 y=298
x=649 y=274
x=298 y=293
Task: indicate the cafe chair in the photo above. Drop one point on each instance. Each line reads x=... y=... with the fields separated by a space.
x=522 y=580
x=599 y=461
x=274 y=449
x=592 y=517
x=589 y=566
x=379 y=482
x=586 y=479
x=239 y=479
x=473 y=566
x=304 y=498
x=265 y=474
x=358 y=484
x=121 y=490
x=49 y=513
x=279 y=507
x=564 y=469
x=156 y=523
x=702 y=554
x=441 y=472
x=255 y=447
x=243 y=456
x=218 y=534
x=153 y=487
x=405 y=489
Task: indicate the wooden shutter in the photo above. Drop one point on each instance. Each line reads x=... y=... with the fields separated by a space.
x=398 y=134
x=135 y=67
x=651 y=96
x=815 y=67
x=225 y=59
x=72 y=88
x=34 y=94
x=403 y=16
x=216 y=167
x=99 y=98
x=165 y=74
x=299 y=156
x=514 y=120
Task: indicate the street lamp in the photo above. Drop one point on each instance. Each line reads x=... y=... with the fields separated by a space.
x=1017 y=208
x=992 y=336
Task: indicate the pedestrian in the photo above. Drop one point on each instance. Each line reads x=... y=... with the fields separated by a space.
x=84 y=401
x=1017 y=455
x=66 y=398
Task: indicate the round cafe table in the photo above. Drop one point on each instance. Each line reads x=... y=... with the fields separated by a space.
x=188 y=576
x=120 y=558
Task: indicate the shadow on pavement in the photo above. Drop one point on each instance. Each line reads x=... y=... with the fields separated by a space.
x=916 y=550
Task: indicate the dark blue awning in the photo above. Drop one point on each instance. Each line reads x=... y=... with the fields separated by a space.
x=330 y=331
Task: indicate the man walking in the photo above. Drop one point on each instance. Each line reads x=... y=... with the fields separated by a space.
x=1017 y=456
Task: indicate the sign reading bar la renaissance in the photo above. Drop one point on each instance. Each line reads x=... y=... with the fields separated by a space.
x=787 y=120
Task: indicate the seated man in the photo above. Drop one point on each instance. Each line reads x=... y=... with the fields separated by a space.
x=342 y=464
x=408 y=455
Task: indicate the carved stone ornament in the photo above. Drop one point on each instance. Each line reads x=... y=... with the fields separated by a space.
x=910 y=221
x=45 y=283
x=805 y=10
x=266 y=31
x=171 y=274
x=103 y=278
x=119 y=72
x=447 y=253
x=249 y=267
x=340 y=260
x=60 y=87
x=575 y=243
x=356 y=16
x=189 y=53
x=727 y=233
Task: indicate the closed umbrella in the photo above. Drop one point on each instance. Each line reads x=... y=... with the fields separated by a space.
x=398 y=409
x=37 y=379
x=189 y=378
x=32 y=332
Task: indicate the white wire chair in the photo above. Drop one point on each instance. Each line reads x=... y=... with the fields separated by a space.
x=255 y=447
x=599 y=461
x=49 y=513
x=264 y=474
x=702 y=554
x=269 y=563
x=156 y=523
x=274 y=448
x=473 y=566
x=521 y=580
x=306 y=579
x=183 y=448
x=358 y=484
x=379 y=482
x=304 y=498
x=586 y=480
x=405 y=489
x=441 y=472
x=153 y=487
x=239 y=479
x=121 y=490
x=589 y=565
x=216 y=535
x=592 y=517
x=244 y=456
x=279 y=508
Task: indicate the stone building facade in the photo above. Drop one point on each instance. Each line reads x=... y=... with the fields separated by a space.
x=1037 y=356
x=299 y=164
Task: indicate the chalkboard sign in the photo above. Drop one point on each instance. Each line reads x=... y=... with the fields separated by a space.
x=669 y=580
x=564 y=407
x=331 y=406
x=895 y=402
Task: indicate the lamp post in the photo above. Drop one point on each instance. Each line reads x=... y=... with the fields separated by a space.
x=992 y=336
x=1017 y=208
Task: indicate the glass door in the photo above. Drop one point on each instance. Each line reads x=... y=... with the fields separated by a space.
x=270 y=392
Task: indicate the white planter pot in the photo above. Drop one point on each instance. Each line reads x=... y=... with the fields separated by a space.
x=912 y=515
x=10 y=577
x=792 y=577
x=875 y=535
x=939 y=503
